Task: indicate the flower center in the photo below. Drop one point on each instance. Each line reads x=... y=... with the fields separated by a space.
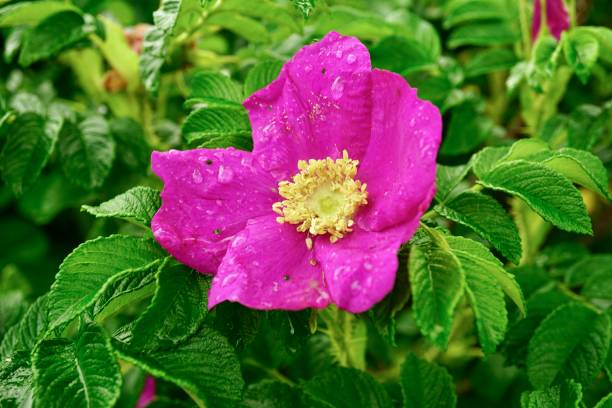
x=322 y=198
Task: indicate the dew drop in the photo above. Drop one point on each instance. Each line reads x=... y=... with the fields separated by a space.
x=337 y=88
x=196 y=176
x=351 y=58
x=225 y=175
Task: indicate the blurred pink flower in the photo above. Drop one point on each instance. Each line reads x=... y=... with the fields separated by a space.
x=557 y=18
x=342 y=169
x=148 y=393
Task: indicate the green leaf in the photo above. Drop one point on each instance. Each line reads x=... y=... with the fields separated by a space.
x=238 y=323
x=49 y=195
x=447 y=178
x=52 y=35
x=266 y=10
x=599 y=284
x=272 y=394
x=244 y=26
x=539 y=306
x=94 y=265
x=467 y=130
x=205 y=366
x=483 y=278
x=401 y=55
x=87 y=151
x=482 y=34
x=437 y=284
x=80 y=373
x=138 y=204
x=566 y=395
x=547 y=192
x=217 y=127
x=25 y=151
x=605 y=402
x=490 y=60
x=342 y=387
x=572 y=342
x=16 y=381
x=31 y=12
x=124 y=290
x=13 y=306
x=177 y=310
x=132 y=148
x=24 y=335
x=488 y=218
x=426 y=385
x=305 y=6
x=463 y=11
x=579 y=166
x=586 y=125
x=172 y=18
x=214 y=89
x=261 y=75
x=581 y=50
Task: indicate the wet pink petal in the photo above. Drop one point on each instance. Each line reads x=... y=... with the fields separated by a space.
x=269 y=267
x=360 y=269
x=208 y=197
x=400 y=164
x=319 y=105
x=557 y=18
x=148 y=393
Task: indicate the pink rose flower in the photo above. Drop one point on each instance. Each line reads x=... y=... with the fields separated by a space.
x=148 y=393
x=342 y=169
x=557 y=18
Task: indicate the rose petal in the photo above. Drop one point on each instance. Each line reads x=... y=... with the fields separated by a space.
x=399 y=167
x=208 y=197
x=360 y=268
x=268 y=267
x=557 y=18
x=319 y=105
x=148 y=393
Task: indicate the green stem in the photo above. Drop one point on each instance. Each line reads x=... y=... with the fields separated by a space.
x=525 y=34
x=571 y=4
x=269 y=371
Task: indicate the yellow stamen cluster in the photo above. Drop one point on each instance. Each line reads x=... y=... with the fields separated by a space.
x=322 y=198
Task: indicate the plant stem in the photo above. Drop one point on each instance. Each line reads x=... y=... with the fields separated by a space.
x=524 y=22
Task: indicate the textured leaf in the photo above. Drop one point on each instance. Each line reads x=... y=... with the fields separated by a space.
x=52 y=35
x=517 y=338
x=437 y=284
x=16 y=381
x=205 y=366
x=272 y=394
x=581 y=353
x=83 y=373
x=91 y=267
x=482 y=33
x=124 y=290
x=426 y=385
x=244 y=26
x=488 y=218
x=132 y=148
x=566 y=395
x=214 y=88
x=31 y=12
x=24 y=335
x=217 y=127
x=87 y=151
x=25 y=152
x=548 y=193
x=238 y=323
x=580 y=166
x=490 y=60
x=341 y=387
x=261 y=75
x=483 y=278
x=171 y=19
x=605 y=402
x=138 y=204
x=177 y=310
x=447 y=179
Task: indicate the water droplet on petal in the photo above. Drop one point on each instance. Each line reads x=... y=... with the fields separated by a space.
x=351 y=58
x=196 y=176
x=225 y=175
x=337 y=88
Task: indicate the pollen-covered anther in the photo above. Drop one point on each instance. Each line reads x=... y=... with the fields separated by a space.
x=322 y=198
